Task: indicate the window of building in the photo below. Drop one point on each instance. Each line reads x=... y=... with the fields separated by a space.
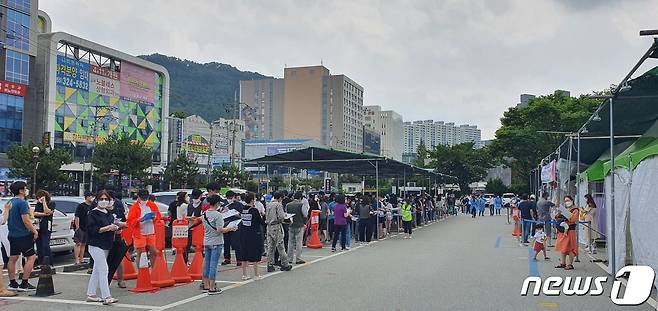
x=18 y=30
x=17 y=67
x=21 y=5
x=11 y=121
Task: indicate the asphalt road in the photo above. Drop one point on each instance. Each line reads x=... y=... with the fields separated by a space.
x=455 y=264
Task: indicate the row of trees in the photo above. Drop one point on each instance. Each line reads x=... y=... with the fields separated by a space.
x=520 y=143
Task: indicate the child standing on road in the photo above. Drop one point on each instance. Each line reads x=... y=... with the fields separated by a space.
x=540 y=238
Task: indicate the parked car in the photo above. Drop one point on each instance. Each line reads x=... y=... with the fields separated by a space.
x=61 y=239
x=507 y=198
x=166 y=197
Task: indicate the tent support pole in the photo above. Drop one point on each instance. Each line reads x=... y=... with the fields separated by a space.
x=613 y=265
x=379 y=227
x=404 y=181
x=578 y=169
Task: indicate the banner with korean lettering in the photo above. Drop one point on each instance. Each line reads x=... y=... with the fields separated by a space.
x=104 y=81
x=137 y=83
x=12 y=88
x=72 y=73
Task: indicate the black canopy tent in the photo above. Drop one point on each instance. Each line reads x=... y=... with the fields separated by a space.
x=343 y=162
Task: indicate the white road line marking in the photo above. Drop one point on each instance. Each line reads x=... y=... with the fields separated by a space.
x=652 y=302
x=238 y=284
x=77 y=302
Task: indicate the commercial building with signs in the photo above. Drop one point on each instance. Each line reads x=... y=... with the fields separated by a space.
x=437 y=133
x=19 y=26
x=389 y=125
x=308 y=103
x=197 y=138
x=89 y=92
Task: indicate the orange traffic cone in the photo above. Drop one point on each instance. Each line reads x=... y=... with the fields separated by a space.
x=517 y=229
x=196 y=267
x=179 y=269
x=129 y=272
x=315 y=238
x=160 y=276
x=143 y=278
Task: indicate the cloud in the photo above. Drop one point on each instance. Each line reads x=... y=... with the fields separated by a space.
x=463 y=61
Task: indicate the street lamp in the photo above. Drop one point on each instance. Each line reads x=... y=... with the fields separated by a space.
x=35 y=157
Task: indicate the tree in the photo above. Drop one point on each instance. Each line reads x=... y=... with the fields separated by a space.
x=276 y=182
x=48 y=174
x=421 y=154
x=178 y=114
x=462 y=161
x=496 y=186
x=119 y=155
x=519 y=141
x=182 y=172
x=230 y=175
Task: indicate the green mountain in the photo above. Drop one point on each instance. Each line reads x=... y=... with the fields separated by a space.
x=207 y=90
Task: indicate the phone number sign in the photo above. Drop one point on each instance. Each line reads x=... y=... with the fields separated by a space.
x=72 y=73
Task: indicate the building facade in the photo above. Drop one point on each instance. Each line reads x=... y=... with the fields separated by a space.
x=209 y=144
x=308 y=103
x=19 y=26
x=87 y=92
x=438 y=133
x=264 y=100
x=389 y=125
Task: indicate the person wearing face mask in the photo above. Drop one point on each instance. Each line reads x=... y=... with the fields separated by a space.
x=566 y=241
x=119 y=247
x=101 y=227
x=193 y=212
x=142 y=216
x=43 y=211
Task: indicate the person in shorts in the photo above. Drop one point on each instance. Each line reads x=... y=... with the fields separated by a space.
x=22 y=235
x=80 y=221
x=143 y=223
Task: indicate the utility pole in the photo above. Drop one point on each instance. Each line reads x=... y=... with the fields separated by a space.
x=94 y=129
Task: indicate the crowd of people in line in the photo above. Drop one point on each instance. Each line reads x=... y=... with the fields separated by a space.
x=253 y=226
x=538 y=222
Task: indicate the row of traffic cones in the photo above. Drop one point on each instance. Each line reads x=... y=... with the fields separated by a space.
x=159 y=276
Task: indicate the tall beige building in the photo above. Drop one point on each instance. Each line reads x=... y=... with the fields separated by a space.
x=305 y=101
x=308 y=102
x=263 y=118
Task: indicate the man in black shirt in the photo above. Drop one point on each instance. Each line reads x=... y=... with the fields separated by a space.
x=528 y=210
x=232 y=239
x=80 y=236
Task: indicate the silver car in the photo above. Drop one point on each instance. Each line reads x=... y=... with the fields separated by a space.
x=61 y=239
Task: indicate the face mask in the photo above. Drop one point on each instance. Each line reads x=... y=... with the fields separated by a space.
x=196 y=201
x=103 y=204
x=568 y=204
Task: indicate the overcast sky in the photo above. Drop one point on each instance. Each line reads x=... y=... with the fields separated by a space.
x=462 y=61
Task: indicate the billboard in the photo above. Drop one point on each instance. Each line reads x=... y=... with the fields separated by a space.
x=91 y=103
x=72 y=73
x=280 y=149
x=196 y=144
x=104 y=81
x=137 y=83
x=371 y=142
